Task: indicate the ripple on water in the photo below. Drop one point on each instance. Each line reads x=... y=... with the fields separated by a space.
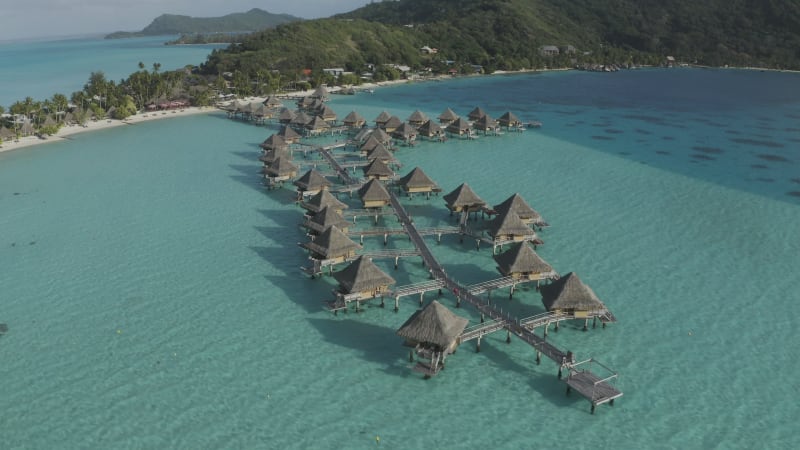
x=641 y=131
x=702 y=157
x=793 y=193
x=795 y=180
x=667 y=138
x=663 y=152
x=613 y=131
x=602 y=138
x=757 y=143
x=758 y=166
x=709 y=150
x=773 y=158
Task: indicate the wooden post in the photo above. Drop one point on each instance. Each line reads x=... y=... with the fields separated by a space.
x=411 y=356
x=385 y=239
x=396 y=260
x=396 y=304
x=421 y=295
x=586 y=324
x=511 y=293
x=556 y=326
x=383 y=304
x=508 y=336
x=538 y=357
x=362 y=239
x=477 y=244
x=560 y=368
x=478 y=347
x=376 y=219
x=546 y=326
x=594 y=322
x=482 y=318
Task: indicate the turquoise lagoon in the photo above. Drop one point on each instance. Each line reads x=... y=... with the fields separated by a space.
x=153 y=296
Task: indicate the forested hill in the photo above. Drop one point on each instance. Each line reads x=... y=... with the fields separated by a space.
x=253 y=20
x=713 y=32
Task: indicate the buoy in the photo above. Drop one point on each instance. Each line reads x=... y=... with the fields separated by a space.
x=690 y=333
x=378 y=439
x=119 y=331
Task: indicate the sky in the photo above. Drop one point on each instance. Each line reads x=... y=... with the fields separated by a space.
x=31 y=19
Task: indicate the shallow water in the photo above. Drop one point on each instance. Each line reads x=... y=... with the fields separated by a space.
x=151 y=289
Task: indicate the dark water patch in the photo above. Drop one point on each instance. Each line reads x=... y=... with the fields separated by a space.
x=641 y=131
x=570 y=125
x=3 y=328
x=763 y=119
x=600 y=125
x=766 y=128
x=667 y=138
x=758 y=166
x=580 y=122
x=757 y=143
x=641 y=141
x=709 y=150
x=732 y=132
x=613 y=131
x=702 y=157
x=763 y=136
x=648 y=119
x=793 y=115
x=773 y=158
x=794 y=139
x=765 y=180
x=792 y=130
x=624 y=153
x=793 y=194
x=568 y=113
x=602 y=138
x=663 y=152
x=795 y=180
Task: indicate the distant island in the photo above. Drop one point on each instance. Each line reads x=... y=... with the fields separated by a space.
x=253 y=20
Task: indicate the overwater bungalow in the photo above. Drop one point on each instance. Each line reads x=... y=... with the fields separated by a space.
x=327 y=113
x=417 y=118
x=332 y=245
x=369 y=145
x=354 y=120
x=486 y=124
x=317 y=125
x=431 y=130
x=418 y=181
x=311 y=183
x=322 y=200
x=569 y=295
x=507 y=226
x=509 y=120
x=325 y=218
x=392 y=124
x=362 y=280
x=300 y=120
x=261 y=112
x=460 y=127
x=286 y=116
x=382 y=136
x=447 y=117
x=476 y=114
x=433 y=331
x=321 y=93
x=305 y=102
x=521 y=262
x=405 y=132
x=463 y=199
x=517 y=204
x=274 y=142
x=382 y=118
x=273 y=102
x=381 y=153
x=377 y=170
x=289 y=135
x=280 y=170
x=374 y=195
x=315 y=107
x=268 y=157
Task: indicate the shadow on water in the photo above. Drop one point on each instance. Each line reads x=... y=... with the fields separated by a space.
x=374 y=343
x=249 y=175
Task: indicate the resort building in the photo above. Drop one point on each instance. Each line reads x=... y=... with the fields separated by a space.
x=327 y=217
x=417 y=118
x=486 y=124
x=382 y=118
x=405 y=132
x=509 y=120
x=507 y=226
x=392 y=124
x=521 y=262
x=332 y=246
x=569 y=295
x=286 y=116
x=463 y=199
x=374 y=195
x=381 y=153
x=433 y=332
x=459 y=127
x=362 y=280
x=447 y=117
x=289 y=135
x=518 y=205
x=274 y=142
x=354 y=120
x=377 y=170
x=476 y=114
x=280 y=170
x=321 y=200
x=417 y=181
x=430 y=130
x=311 y=183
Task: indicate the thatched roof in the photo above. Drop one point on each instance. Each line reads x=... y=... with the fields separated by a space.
x=301 y=119
x=417 y=117
x=380 y=152
x=404 y=131
x=434 y=324
x=311 y=181
x=327 y=217
x=463 y=196
x=374 y=191
x=393 y=123
x=448 y=116
x=485 y=122
x=316 y=105
x=354 y=119
x=274 y=142
x=569 y=292
x=6 y=133
x=317 y=123
x=476 y=113
x=382 y=118
x=260 y=110
x=377 y=168
x=430 y=128
x=381 y=136
x=327 y=113
x=509 y=120
x=459 y=126
x=521 y=258
x=508 y=223
x=288 y=134
x=321 y=92
x=517 y=204
x=416 y=179
x=286 y=115
x=332 y=243
x=272 y=102
x=305 y=102
x=270 y=156
x=370 y=144
x=281 y=167
x=323 y=199
x=362 y=275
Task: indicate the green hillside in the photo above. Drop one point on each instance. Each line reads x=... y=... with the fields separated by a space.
x=253 y=20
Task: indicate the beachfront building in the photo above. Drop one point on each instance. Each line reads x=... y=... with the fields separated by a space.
x=509 y=120
x=321 y=200
x=317 y=126
x=280 y=170
x=289 y=135
x=374 y=195
x=418 y=181
x=354 y=120
x=332 y=246
x=311 y=183
x=460 y=127
x=327 y=113
x=417 y=118
x=463 y=199
x=382 y=118
x=521 y=262
x=321 y=93
x=286 y=116
x=527 y=214
x=273 y=102
x=377 y=170
x=327 y=217
x=431 y=130
x=305 y=102
x=569 y=295
x=486 y=124
x=549 y=50
x=300 y=120
x=362 y=280
x=476 y=114
x=433 y=331
x=447 y=117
